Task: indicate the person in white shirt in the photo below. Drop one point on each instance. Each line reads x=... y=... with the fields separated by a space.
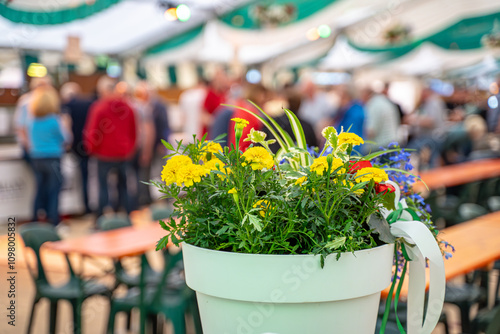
x=427 y=125
x=191 y=103
x=429 y=120
x=382 y=119
x=315 y=104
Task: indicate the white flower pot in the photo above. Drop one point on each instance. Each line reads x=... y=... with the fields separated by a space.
x=288 y=294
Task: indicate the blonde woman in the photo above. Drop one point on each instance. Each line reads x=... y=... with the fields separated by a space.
x=47 y=141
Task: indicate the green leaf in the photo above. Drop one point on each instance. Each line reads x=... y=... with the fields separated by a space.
x=388 y=201
x=222 y=230
x=335 y=243
x=255 y=221
x=300 y=137
x=162 y=243
x=376 y=154
x=167 y=145
x=174 y=238
x=164 y=226
x=219 y=137
x=380 y=226
x=179 y=144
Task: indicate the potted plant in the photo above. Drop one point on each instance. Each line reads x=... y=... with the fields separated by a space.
x=300 y=241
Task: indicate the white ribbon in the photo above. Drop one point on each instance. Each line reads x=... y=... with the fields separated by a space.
x=426 y=247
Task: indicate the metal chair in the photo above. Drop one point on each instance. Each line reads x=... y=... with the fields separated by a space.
x=75 y=290
x=154 y=300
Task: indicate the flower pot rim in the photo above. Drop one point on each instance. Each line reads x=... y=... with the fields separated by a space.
x=283 y=255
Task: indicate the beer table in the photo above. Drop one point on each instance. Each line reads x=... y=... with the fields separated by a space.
x=115 y=244
x=118 y=243
x=458 y=174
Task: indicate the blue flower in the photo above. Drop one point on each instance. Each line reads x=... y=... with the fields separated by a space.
x=447 y=244
x=312 y=151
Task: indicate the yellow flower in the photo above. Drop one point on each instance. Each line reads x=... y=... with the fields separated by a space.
x=320 y=165
x=171 y=168
x=350 y=138
x=258 y=158
x=371 y=173
x=264 y=205
x=212 y=165
x=336 y=163
x=190 y=174
x=301 y=180
x=240 y=122
x=232 y=191
x=210 y=149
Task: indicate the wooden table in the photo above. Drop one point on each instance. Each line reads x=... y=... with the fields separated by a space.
x=119 y=243
x=459 y=174
x=476 y=242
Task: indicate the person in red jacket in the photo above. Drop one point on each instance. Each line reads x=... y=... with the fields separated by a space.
x=110 y=137
x=258 y=95
x=216 y=94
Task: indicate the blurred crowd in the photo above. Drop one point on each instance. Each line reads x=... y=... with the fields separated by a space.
x=120 y=128
x=441 y=130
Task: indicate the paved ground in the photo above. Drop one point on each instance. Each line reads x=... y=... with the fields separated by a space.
x=95 y=309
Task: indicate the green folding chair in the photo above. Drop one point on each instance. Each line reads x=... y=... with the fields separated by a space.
x=469 y=211
x=154 y=300
x=160 y=211
x=75 y=290
x=111 y=222
x=487 y=321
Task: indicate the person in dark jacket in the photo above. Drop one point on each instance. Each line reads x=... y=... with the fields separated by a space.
x=153 y=126
x=77 y=108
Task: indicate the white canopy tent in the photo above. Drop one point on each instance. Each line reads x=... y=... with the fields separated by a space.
x=283 y=46
x=430 y=59
x=423 y=17
x=344 y=57
x=131 y=26
x=128 y=26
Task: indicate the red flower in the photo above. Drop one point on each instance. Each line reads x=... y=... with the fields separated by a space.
x=359 y=165
x=383 y=188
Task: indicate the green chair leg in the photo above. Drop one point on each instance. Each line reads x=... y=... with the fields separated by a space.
x=129 y=319
x=53 y=316
x=494 y=326
x=196 y=315
x=179 y=322
x=142 y=321
x=77 y=316
x=111 y=320
x=30 y=323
